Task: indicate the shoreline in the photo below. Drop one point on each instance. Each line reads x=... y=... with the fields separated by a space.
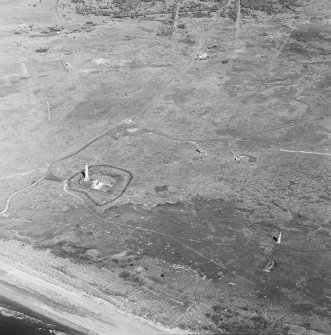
x=12 y=312
x=66 y=307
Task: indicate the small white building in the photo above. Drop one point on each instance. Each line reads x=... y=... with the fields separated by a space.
x=97 y=184
x=203 y=56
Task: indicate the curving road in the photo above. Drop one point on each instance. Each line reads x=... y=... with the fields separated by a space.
x=17 y=192
x=49 y=170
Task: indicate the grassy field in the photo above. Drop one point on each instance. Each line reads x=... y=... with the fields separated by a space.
x=119 y=83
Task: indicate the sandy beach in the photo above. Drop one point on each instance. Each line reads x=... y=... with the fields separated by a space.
x=76 y=311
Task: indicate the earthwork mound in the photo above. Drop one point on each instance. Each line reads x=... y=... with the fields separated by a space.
x=116 y=181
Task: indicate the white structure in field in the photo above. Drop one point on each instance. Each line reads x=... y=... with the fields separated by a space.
x=96 y=184
x=269 y=266
x=203 y=56
x=86 y=178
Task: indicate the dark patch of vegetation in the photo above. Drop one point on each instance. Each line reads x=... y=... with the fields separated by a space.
x=113 y=292
x=265 y=6
x=161 y=188
x=42 y=50
x=189 y=39
x=302 y=308
x=290 y=4
x=232 y=14
x=200 y=14
x=268 y=6
x=55 y=29
x=131 y=277
x=91 y=23
x=141 y=8
x=126 y=5
x=165 y=29
x=65 y=249
x=156 y=279
x=232 y=323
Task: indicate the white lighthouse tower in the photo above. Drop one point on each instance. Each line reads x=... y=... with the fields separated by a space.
x=87 y=177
